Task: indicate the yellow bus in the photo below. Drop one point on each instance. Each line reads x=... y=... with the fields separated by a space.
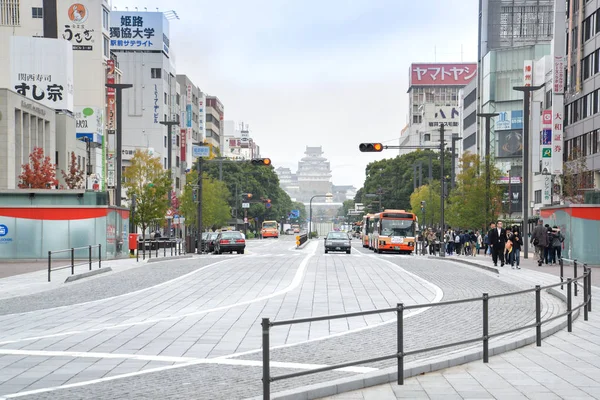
x=270 y=229
x=394 y=230
x=367 y=230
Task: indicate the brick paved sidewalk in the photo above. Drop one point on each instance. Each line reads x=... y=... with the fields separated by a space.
x=566 y=366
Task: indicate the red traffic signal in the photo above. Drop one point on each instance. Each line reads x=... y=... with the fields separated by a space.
x=370 y=147
x=246 y=197
x=261 y=161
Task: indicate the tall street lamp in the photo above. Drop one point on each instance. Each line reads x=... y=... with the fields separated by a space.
x=488 y=128
x=169 y=124
x=119 y=142
x=455 y=138
x=328 y=195
x=526 y=100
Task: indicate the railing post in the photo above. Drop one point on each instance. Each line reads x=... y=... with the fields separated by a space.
x=561 y=264
x=266 y=325
x=569 y=314
x=150 y=252
x=165 y=250
x=538 y=316
x=49 y=264
x=90 y=256
x=156 y=248
x=99 y=255
x=585 y=292
x=172 y=250
x=575 y=276
x=590 y=289
x=72 y=261
x=400 y=335
x=137 y=252
x=485 y=328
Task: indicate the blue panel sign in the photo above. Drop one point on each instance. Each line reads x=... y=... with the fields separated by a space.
x=547 y=137
x=200 y=151
x=516 y=119
x=188 y=111
x=295 y=214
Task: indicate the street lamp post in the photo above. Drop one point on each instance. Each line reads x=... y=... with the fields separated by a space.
x=169 y=124
x=455 y=138
x=310 y=212
x=119 y=139
x=526 y=148
x=488 y=117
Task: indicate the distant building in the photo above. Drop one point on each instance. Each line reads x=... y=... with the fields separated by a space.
x=237 y=142
x=214 y=120
x=314 y=173
x=434 y=100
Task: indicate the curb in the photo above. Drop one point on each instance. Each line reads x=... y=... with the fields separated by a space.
x=473 y=264
x=168 y=258
x=415 y=368
x=87 y=274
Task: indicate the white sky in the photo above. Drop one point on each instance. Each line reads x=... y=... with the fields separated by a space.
x=307 y=73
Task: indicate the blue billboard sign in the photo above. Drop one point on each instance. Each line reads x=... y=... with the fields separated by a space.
x=200 y=151
x=547 y=137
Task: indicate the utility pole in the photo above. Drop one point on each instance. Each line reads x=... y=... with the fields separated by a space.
x=442 y=225
x=455 y=137
x=199 y=222
x=526 y=168
x=488 y=117
x=169 y=124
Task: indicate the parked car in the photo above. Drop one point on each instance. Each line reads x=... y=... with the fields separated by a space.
x=230 y=241
x=337 y=241
x=210 y=241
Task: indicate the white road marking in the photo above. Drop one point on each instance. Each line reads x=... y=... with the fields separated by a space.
x=295 y=283
x=251 y=363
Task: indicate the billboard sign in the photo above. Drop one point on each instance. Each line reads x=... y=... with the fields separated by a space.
x=509 y=120
x=510 y=144
x=528 y=72
x=89 y=123
x=42 y=70
x=110 y=96
x=200 y=151
x=139 y=31
x=80 y=23
x=436 y=74
x=444 y=115
x=558 y=83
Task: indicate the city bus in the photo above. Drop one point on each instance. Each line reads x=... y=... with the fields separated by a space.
x=394 y=230
x=296 y=228
x=367 y=230
x=270 y=229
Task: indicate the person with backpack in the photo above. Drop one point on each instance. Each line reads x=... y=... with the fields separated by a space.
x=557 y=241
x=457 y=243
x=539 y=238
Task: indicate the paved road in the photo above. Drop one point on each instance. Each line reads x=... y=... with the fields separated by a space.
x=197 y=334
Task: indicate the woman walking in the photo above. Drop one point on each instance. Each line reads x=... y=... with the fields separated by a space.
x=517 y=242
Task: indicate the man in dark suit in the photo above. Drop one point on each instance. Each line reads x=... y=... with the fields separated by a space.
x=497 y=238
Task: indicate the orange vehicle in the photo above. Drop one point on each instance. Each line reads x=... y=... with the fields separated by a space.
x=394 y=231
x=270 y=229
x=367 y=230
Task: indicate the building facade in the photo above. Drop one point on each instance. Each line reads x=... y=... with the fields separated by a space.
x=214 y=122
x=433 y=101
x=314 y=174
x=189 y=103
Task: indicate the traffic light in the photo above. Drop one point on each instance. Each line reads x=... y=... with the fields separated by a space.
x=195 y=195
x=261 y=161
x=246 y=197
x=370 y=147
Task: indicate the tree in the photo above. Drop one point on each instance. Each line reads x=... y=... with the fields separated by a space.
x=431 y=196
x=466 y=204
x=75 y=178
x=187 y=205
x=576 y=178
x=39 y=173
x=215 y=208
x=146 y=179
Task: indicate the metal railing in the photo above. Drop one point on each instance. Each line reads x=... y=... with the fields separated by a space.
x=73 y=265
x=154 y=246
x=267 y=324
x=301 y=239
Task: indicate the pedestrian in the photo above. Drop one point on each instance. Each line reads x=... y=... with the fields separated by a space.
x=517 y=243
x=508 y=247
x=486 y=245
x=473 y=239
x=457 y=243
x=479 y=241
x=548 y=249
x=497 y=238
x=557 y=241
x=539 y=238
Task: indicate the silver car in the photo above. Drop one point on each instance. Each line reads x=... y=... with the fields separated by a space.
x=337 y=241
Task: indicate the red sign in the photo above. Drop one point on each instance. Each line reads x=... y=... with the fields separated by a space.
x=547 y=119
x=183 y=143
x=110 y=95
x=442 y=74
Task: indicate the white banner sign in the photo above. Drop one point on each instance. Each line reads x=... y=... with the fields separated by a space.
x=80 y=23
x=42 y=70
x=89 y=122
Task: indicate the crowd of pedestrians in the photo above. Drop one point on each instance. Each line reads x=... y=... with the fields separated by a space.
x=499 y=243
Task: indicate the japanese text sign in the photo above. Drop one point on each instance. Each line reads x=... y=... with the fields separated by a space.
x=528 y=72
x=442 y=74
x=78 y=24
x=558 y=84
x=139 y=31
x=42 y=70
